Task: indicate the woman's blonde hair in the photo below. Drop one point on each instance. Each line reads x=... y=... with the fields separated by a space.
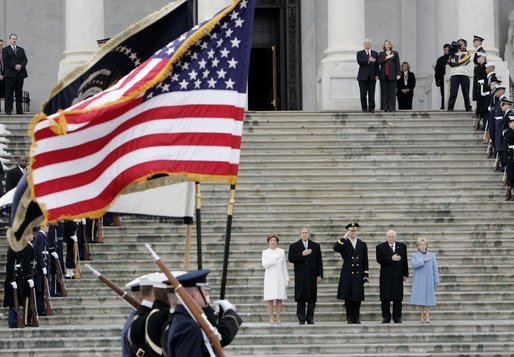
x=384 y=47
x=421 y=240
x=272 y=235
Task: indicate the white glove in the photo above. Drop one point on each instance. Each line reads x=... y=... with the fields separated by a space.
x=83 y=220
x=31 y=283
x=44 y=271
x=225 y=305
x=14 y=285
x=54 y=254
x=74 y=238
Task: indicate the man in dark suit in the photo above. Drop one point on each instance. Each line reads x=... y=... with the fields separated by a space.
x=15 y=71
x=440 y=71
x=308 y=272
x=354 y=273
x=367 y=76
x=394 y=270
x=15 y=174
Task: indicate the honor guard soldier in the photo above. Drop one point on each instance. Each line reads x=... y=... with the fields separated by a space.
x=477 y=43
x=184 y=336
x=136 y=333
x=28 y=264
x=13 y=287
x=509 y=150
x=354 y=272
x=160 y=313
x=41 y=251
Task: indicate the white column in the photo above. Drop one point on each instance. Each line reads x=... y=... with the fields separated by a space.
x=337 y=75
x=208 y=8
x=476 y=17
x=83 y=25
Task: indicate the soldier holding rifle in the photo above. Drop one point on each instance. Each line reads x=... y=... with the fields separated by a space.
x=28 y=263
x=12 y=288
x=41 y=272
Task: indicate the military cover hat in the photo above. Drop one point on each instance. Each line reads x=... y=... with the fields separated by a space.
x=477 y=38
x=352 y=226
x=192 y=278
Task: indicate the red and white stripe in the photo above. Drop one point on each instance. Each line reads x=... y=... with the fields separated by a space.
x=195 y=134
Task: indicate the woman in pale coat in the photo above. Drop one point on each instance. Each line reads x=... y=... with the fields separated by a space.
x=424 y=280
x=276 y=277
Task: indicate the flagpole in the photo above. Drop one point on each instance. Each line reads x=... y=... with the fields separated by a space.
x=228 y=232
x=198 y=206
x=188 y=245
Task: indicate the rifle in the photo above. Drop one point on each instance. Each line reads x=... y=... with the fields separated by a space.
x=85 y=241
x=122 y=293
x=19 y=317
x=32 y=307
x=60 y=279
x=191 y=305
x=48 y=303
x=100 y=234
x=76 y=260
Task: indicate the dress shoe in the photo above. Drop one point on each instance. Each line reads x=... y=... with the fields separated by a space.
x=399 y=321
x=20 y=113
x=349 y=321
x=310 y=322
x=357 y=321
x=302 y=322
x=8 y=113
x=386 y=321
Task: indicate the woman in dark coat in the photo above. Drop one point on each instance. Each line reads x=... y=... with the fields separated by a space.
x=389 y=62
x=405 y=87
x=354 y=272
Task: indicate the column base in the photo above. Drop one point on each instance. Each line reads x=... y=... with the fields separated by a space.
x=337 y=85
x=73 y=60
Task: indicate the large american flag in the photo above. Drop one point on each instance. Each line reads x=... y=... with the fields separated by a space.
x=180 y=113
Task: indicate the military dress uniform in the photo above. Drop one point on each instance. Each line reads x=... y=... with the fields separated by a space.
x=13 y=274
x=509 y=150
x=28 y=265
x=354 y=273
x=42 y=253
x=155 y=324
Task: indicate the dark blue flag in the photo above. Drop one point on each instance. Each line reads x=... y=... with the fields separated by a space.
x=121 y=54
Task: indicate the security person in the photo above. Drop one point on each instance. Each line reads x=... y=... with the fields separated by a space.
x=354 y=272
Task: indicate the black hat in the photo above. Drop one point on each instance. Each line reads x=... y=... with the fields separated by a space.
x=506 y=101
x=477 y=38
x=352 y=226
x=194 y=278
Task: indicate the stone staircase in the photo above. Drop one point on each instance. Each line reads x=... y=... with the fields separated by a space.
x=425 y=173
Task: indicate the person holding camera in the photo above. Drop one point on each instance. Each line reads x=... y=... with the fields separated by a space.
x=459 y=73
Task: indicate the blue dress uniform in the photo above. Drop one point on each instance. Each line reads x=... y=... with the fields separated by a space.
x=184 y=337
x=28 y=263
x=509 y=156
x=12 y=269
x=41 y=251
x=354 y=274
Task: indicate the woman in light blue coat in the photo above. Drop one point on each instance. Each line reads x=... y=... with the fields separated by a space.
x=424 y=280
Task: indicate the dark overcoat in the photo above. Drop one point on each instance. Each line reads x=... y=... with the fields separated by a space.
x=355 y=265
x=306 y=270
x=13 y=258
x=367 y=70
x=392 y=272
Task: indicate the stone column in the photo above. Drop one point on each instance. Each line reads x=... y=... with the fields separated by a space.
x=83 y=25
x=207 y=8
x=338 y=88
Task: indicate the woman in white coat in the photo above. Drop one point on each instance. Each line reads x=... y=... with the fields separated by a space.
x=276 y=277
x=424 y=280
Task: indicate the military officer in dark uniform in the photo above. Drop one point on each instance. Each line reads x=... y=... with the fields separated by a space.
x=394 y=270
x=42 y=253
x=477 y=43
x=184 y=336
x=509 y=149
x=28 y=264
x=12 y=281
x=136 y=332
x=354 y=272
x=158 y=316
x=308 y=272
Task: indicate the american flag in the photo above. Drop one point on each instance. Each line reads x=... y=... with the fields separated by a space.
x=179 y=113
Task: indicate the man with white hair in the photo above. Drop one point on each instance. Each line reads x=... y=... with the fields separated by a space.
x=394 y=270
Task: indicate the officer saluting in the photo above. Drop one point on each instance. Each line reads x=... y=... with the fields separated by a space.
x=354 y=272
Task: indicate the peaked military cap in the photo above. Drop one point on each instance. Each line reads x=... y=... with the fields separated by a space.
x=477 y=38
x=498 y=87
x=490 y=64
x=506 y=101
x=192 y=278
x=511 y=118
x=352 y=226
